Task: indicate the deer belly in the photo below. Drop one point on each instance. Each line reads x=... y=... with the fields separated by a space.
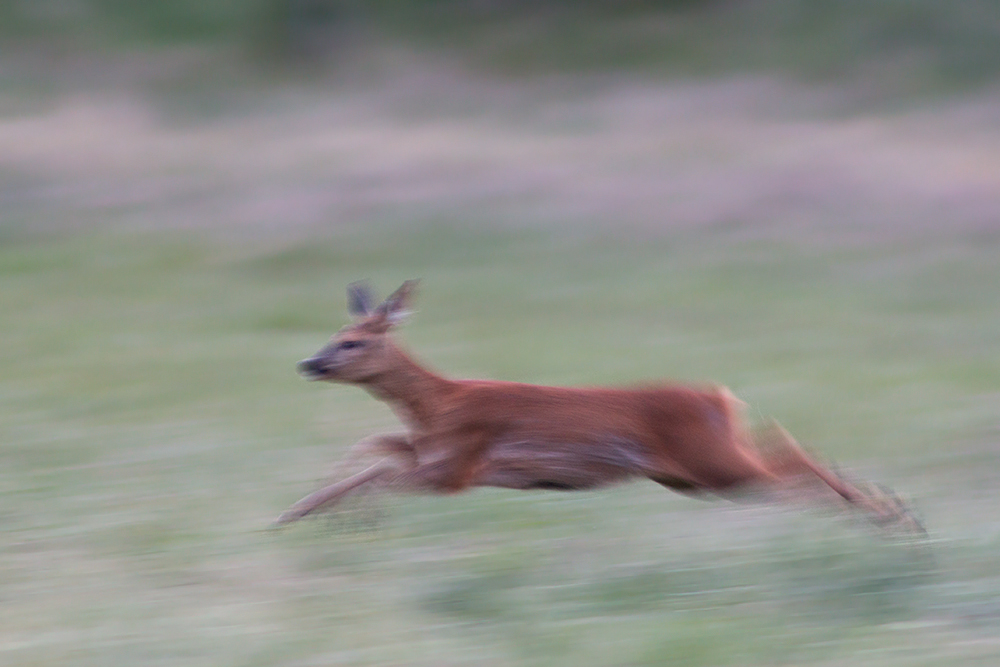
x=561 y=466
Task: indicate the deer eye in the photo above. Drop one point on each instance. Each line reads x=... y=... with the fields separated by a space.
x=350 y=344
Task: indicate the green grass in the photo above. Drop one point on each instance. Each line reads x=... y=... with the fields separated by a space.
x=152 y=426
x=165 y=260
x=898 y=47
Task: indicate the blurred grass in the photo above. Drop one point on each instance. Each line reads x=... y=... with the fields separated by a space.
x=165 y=260
x=936 y=41
x=152 y=426
x=902 y=46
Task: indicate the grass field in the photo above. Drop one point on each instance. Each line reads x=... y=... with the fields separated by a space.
x=162 y=268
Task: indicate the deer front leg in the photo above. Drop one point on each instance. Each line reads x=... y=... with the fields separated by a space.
x=395 y=458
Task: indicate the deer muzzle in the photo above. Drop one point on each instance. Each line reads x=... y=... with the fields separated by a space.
x=314 y=368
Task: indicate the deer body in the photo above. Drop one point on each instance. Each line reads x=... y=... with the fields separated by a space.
x=525 y=436
x=468 y=433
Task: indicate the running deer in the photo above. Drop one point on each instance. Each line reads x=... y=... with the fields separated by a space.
x=467 y=433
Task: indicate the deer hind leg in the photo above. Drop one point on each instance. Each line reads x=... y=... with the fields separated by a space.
x=786 y=460
x=394 y=457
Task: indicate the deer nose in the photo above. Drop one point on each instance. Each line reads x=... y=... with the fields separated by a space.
x=310 y=368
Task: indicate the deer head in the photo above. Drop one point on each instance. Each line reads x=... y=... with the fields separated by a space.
x=361 y=350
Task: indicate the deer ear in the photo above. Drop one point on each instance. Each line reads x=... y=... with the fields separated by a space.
x=396 y=306
x=360 y=299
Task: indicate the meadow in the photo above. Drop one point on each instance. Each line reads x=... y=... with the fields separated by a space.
x=165 y=260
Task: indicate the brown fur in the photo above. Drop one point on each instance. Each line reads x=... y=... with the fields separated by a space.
x=467 y=433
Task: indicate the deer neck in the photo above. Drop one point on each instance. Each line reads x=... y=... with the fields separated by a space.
x=412 y=391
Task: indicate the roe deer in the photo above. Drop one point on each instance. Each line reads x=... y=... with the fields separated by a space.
x=466 y=433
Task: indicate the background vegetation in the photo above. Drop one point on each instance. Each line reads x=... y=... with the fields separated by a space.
x=799 y=200
x=949 y=43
